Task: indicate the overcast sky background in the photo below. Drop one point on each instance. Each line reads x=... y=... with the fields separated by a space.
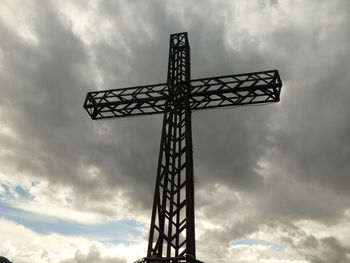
x=272 y=182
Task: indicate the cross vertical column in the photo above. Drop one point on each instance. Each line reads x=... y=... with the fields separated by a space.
x=172 y=229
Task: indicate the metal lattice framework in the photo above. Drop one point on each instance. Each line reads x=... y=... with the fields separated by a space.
x=221 y=91
x=172 y=229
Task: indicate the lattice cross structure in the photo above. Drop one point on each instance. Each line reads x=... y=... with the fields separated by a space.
x=172 y=228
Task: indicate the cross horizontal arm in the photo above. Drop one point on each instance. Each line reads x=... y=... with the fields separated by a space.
x=140 y=100
x=234 y=90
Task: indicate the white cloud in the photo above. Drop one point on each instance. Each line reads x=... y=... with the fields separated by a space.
x=20 y=18
x=59 y=202
x=22 y=245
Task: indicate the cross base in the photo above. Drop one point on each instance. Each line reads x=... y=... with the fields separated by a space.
x=183 y=259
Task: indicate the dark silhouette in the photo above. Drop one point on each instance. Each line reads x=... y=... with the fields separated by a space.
x=172 y=230
x=4 y=260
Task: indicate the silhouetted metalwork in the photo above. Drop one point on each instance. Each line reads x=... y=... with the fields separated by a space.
x=4 y=260
x=182 y=259
x=172 y=229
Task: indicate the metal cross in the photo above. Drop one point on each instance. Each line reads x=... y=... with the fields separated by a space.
x=172 y=229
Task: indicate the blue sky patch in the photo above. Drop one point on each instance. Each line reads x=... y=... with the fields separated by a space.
x=115 y=232
x=256 y=241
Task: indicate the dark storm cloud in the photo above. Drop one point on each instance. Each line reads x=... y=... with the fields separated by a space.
x=311 y=143
x=332 y=251
x=210 y=56
x=321 y=250
x=132 y=165
x=44 y=91
x=38 y=94
x=304 y=138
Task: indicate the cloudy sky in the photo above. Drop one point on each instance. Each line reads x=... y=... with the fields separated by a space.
x=272 y=182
